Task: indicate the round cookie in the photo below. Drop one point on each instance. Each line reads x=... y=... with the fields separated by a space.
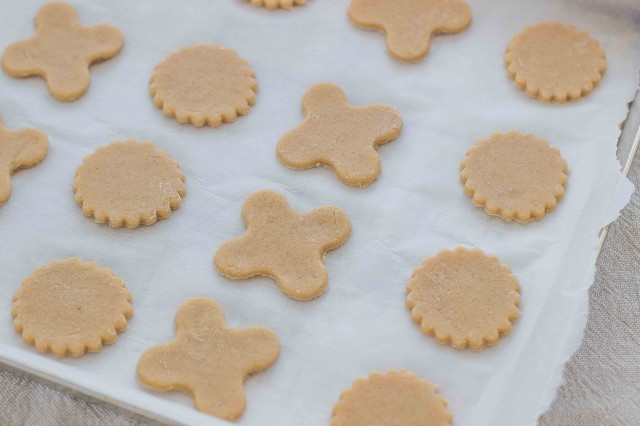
x=395 y=398
x=275 y=4
x=204 y=84
x=129 y=183
x=464 y=298
x=515 y=176
x=69 y=307
x=555 y=62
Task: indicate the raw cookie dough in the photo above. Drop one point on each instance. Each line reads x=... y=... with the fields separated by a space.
x=395 y=398
x=464 y=298
x=409 y=24
x=62 y=50
x=283 y=244
x=129 y=183
x=340 y=136
x=274 y=4
x=514 y=176
x=19 y=149
x=555 y=62
x=69 y=307
x=209 y=360
x=204 y=84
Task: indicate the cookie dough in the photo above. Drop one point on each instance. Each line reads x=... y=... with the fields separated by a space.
x=340 y=136
x=283 y=244
x=464 y=298
x=409 y=24
x=129 y=183
x=69 y=307
x=62 y=51
x=395 y=398
x=204 y=84
x=275 y=4
x=555 y=62
x=19 y=149
x=209 y=360
x=514 y=176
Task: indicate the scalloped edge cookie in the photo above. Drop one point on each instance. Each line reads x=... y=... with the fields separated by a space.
x=379 y=392
x=557 y=94
x=91 y=340
x=213 y=114
x=495 y=207
x=458 y=259
x=128 y=216
x=278 y=4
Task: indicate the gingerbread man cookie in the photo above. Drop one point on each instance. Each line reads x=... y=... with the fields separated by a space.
x=275 y=4
x=19 y=149
x=395 y=398
x=409 y=24
x=62 y=50
x=283 y=244
x=340 y=136
x=208 y=359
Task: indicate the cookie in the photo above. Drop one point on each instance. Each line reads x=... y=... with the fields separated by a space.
x=62 y=51
x=209 y=360
x=555 y=62
x=275 y=4
x=129 y=183
x=464 y=298
x=69 y=307
x=19 y=149
x=283 y=244
x=514 y=176
x=395 y=398
x=204 y=84
x=340 y=136
x=409 y=24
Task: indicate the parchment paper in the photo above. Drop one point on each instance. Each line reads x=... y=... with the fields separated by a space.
x=458 y=95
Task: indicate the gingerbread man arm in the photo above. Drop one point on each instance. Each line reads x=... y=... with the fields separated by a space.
x=19 y=150
x=329 y=224
x=262 y=343
x=61 y=51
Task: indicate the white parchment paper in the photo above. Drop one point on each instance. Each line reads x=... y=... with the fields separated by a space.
x=458 y=95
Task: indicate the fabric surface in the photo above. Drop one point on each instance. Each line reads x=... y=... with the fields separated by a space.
x=602 y=379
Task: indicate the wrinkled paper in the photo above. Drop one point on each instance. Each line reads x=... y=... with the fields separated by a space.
x=459 y=94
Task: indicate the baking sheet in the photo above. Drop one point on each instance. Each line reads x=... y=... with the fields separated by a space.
x=459 y=94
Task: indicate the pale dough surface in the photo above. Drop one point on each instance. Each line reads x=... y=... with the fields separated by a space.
x=395 y=398
x=340 y=136
x=555 y=62
x=464 y=298
x=204 y=84
x=515 y=176
x=129 y=183
x=19 y=149
x=209 y=360
x=409 y=24
x=62 y=51
x=283 y=244
x=275 y=4
x=69 y=307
